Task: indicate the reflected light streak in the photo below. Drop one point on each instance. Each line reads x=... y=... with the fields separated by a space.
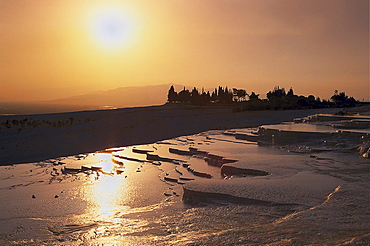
x=106 y=162
x=109 y=191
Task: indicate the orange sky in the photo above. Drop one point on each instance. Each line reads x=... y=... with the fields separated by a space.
x=51 y=49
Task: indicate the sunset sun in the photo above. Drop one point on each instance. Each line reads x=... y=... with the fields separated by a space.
x=111 y=28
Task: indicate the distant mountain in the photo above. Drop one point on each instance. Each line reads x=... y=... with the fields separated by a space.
x=132 y=96
x=122 y=97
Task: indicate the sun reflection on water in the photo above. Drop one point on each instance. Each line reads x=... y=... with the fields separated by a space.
x=107 y=194
x=108 y=191
x=121 y=197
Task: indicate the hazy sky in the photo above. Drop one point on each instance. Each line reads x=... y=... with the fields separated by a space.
x=51 y=49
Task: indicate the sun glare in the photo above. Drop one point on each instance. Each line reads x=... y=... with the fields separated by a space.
x=112 y=28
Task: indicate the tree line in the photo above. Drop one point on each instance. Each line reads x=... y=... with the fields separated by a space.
x=276 y=99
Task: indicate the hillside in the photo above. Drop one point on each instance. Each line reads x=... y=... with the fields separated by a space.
x=132 y=96
x=122 y=97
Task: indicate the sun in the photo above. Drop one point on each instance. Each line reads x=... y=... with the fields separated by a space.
x=112 y=28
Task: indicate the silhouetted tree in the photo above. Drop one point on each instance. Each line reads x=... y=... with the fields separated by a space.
x=311 y=99
x=239 y=94
x=290 y=100
x=342 y=100
x=220 y=93
x=184 y=96
x=205 y=98
x=172 y=95
x=339 y=98
x=214 y=97
x=254 y=97
x=195 y=96
x=290 y=93
x=276 y=99
x=276 y=93
x=225 y=96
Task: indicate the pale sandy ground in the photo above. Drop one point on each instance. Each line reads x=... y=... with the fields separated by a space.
x=39 y=137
